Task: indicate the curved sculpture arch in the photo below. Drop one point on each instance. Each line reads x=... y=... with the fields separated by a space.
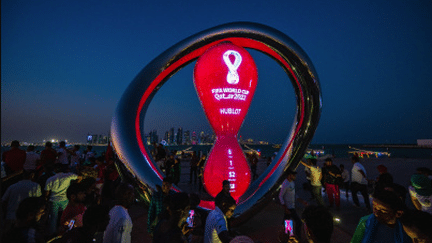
x=128 y=121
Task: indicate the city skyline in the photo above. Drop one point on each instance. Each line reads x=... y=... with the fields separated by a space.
x=105 y=137
x=65 y=66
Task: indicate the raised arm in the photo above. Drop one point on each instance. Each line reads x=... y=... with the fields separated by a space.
x=303 y=163
x=416 y=203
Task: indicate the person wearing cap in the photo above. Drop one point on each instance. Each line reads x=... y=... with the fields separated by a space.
x=425 y=171
x=287 y=198
x=421 y=192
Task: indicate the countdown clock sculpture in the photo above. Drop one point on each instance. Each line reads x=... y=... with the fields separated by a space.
x=225 y=79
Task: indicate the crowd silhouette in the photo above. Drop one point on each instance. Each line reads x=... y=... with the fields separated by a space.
x=69 y=195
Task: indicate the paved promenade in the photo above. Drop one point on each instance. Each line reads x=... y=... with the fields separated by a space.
x=266 y=225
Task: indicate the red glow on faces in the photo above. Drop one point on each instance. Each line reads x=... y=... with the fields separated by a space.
x=225 y=78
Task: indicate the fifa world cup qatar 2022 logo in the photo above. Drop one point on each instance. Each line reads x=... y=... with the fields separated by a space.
x=225 y=79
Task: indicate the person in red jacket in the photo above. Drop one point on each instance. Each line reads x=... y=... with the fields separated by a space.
x=14 y=158
x=48 y=155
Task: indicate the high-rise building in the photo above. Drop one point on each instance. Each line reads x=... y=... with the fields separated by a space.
x=171 y=136
x=166 y=137
x=150 y=137
x=194 y=138
x=147 y=138
x=187 y=138
x=201 y=139
x=103 y=139
x=95 y=139
x=154 y=137
x=89 y=138
x=179 y=136
x=207 y=139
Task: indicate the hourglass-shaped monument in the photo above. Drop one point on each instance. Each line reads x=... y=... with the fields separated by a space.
x=225 y=78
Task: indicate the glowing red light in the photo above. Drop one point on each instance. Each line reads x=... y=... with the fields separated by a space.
x=225 y=78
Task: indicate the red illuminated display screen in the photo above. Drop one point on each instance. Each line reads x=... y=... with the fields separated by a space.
x=225 y=79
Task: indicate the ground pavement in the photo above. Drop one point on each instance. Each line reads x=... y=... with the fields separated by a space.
x=266 y=225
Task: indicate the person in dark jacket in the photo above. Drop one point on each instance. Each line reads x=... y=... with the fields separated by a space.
x=332 y=178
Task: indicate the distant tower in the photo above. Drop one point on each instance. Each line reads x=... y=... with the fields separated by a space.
x=89 y=138
x=187 y=138
x=201 y=138
x=150 y=137
x=95 y=139
x=154 y=137
x=166 y=137
x=147 y=138
x=179 y=136
x=103 y=139
x=194 y=138
x=171 y=136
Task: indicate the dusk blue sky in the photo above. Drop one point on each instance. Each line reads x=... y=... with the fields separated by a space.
x=65 y=65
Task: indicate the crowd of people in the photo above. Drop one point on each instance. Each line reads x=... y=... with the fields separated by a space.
x=169 y=162
x=65 y=195
x=390 y=220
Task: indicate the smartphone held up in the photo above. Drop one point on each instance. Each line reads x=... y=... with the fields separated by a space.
x=289 y=227
x=190 y=219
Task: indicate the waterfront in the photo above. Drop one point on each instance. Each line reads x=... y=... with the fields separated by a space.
x=336 y=150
